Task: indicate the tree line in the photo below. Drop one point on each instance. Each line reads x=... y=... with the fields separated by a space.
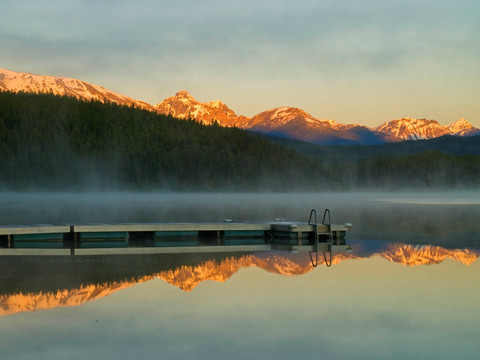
x=62 y=143
x=54 y=142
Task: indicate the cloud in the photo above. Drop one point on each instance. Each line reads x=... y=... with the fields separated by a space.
x=369 y=34
x=149 y=49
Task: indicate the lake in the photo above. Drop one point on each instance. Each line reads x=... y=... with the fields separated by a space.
x=409 y=289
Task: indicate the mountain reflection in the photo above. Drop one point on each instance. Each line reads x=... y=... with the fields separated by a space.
x=409 y=255
x=188 y=276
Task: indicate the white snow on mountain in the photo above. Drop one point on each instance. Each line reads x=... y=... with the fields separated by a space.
x=184 y=106
x=16 y=82
x=285 y=121
x=412 y=129
x=462 y=127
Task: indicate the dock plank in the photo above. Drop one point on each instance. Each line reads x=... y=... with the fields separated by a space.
x=171 y=227
x=166 y=237
x=34 y=229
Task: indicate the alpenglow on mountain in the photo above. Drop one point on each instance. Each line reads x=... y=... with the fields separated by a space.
x=286 y=122
x=294 y=123
x=185 y=106
x=30 y=83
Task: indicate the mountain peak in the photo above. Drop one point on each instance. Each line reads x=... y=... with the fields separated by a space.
x=285 y=121
x=460 y=124
x=462 y=127
x=291 y=122
x=184 y=94
x=461 y=121
x=412 y=129
x=185 y=106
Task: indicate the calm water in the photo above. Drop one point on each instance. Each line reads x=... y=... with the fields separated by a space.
x=409 y=289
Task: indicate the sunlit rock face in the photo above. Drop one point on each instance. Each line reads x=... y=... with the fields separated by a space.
x=462 y=127
x=188 y=277
x=416 y=129
x=287 y=122
x=412 y=129
x=290 y=122
x=41 y=84
x=184 y=106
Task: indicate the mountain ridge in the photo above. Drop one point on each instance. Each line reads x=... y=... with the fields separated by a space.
x=64 y=86
x=286 y=121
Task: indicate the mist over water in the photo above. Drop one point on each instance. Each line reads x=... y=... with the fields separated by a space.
x=448 y=219
x=266 y=305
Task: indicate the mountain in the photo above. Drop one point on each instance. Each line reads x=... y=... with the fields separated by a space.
x=423 y=129
x=283 y=122
x=286 y=122
x=294 y=123
x=17 y=82
x=185 y=106
x=462 y=127
x=412 y=129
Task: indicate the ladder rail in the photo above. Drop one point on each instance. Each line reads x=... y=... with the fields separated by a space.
x=313 y=213
x=329 y=224
x=330 y=242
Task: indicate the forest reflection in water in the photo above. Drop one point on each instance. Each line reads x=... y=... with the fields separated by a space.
x=403 y=301
x=387 y=299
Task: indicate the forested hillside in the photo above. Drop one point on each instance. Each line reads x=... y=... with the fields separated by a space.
x=60 y=143
x=53 y=142
x=448 y=144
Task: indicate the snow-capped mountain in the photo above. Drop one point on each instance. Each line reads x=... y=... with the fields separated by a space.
x=185 y=106
x=17 y=81
x=412 y=129
x=416 y=129
x=290 y=122
x=462 y=127
x=294 y=123
x=272 y=119
x=287 y=122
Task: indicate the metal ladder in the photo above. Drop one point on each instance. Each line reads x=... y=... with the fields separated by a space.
x=313 y=213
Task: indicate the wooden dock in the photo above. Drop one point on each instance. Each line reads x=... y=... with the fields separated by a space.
x=143 y=238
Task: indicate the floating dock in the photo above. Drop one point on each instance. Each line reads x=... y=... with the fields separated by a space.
x=145 y=238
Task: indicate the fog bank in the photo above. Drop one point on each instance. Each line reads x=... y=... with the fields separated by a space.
x=449 y=219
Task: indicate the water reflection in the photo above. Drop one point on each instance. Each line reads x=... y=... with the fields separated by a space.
x=384 y=300
x=90 y=278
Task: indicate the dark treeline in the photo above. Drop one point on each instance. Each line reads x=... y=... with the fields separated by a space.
x=448 y=144
x=425 y=170
x=52 y=142
x=60 y=143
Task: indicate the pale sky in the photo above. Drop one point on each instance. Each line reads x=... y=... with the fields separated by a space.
x=348 y=60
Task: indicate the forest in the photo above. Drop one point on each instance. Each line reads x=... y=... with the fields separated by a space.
x=55 y=143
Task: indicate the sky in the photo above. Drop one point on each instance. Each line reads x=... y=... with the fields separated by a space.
x=351 y=61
